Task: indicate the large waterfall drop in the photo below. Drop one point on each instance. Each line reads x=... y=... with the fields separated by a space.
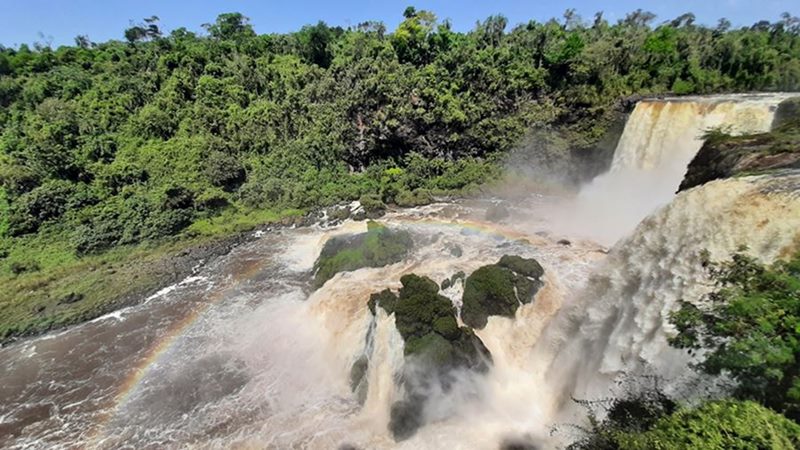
x=659 y=140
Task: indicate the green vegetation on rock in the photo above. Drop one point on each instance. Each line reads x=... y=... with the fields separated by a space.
x=385 y=299
x=378 y=247
x=434 y=346
x=499 y=289
x=724 y=156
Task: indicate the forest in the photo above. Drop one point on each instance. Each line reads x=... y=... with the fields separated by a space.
x=154 y=137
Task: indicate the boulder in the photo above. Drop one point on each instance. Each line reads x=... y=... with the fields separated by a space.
x=448 y=282
x=378 y=247
x=499 y=289
x=434 y=346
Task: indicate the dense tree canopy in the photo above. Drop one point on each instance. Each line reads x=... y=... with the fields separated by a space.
x=100 y=137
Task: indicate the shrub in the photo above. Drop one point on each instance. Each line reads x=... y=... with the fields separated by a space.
x=21 y=266
x=720 y=425
x=372 y=205
x=418 y=197
x=46 y=202
x=748 y=330
x=224 y=171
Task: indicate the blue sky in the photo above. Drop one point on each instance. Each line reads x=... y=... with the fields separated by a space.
x=59 y=21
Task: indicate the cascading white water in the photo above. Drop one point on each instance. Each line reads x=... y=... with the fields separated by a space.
x=659 y=140
x=619 y=323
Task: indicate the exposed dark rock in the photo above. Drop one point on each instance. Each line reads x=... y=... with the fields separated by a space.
x=499 y=289
x=725 y=156
x=405 y=418
x=358 y=378
x=448 y=282
x=455 y=250
x=788 y=111
x=72 y=297
x=378 y=247
x=518 y=444
x=564 y=242
x=386 y=299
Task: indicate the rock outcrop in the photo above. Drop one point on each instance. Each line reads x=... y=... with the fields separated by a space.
x=435 y=347
x=724 y=156
x=378 y=247
x=499 y=289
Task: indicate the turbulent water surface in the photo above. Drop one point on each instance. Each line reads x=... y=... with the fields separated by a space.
x=245 y=354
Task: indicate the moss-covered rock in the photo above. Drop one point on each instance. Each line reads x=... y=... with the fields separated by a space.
x=378 y=247
x=528 y=267
x=499 y=289
x=386 y=299
x=434 y=346
x=448 y=282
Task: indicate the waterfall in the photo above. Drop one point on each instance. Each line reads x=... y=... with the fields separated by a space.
x=659 y=140
x=619 y=323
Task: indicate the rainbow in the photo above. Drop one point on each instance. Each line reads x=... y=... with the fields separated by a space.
x=475 y=226
x=158 y=350
x=128 y=387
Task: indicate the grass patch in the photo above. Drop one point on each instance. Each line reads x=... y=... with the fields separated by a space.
x=234 y=221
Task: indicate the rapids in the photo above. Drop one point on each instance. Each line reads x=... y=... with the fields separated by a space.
x=245 y=354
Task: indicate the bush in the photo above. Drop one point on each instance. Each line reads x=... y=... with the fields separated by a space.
x=721 y=425
x=224 y=171
x=418 y=197
x=21 y=266
x=46 y=202
x=373 y=205
x=748 y=330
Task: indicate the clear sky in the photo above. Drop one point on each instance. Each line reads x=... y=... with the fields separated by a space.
x=59 y=21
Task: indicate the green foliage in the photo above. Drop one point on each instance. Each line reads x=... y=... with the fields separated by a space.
x=3 y=213
x=750 y=330
x=417 y=197
x=46 y=202
x=721 y=425
x=377 y=247
x=385 y=299
x=372 y=204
